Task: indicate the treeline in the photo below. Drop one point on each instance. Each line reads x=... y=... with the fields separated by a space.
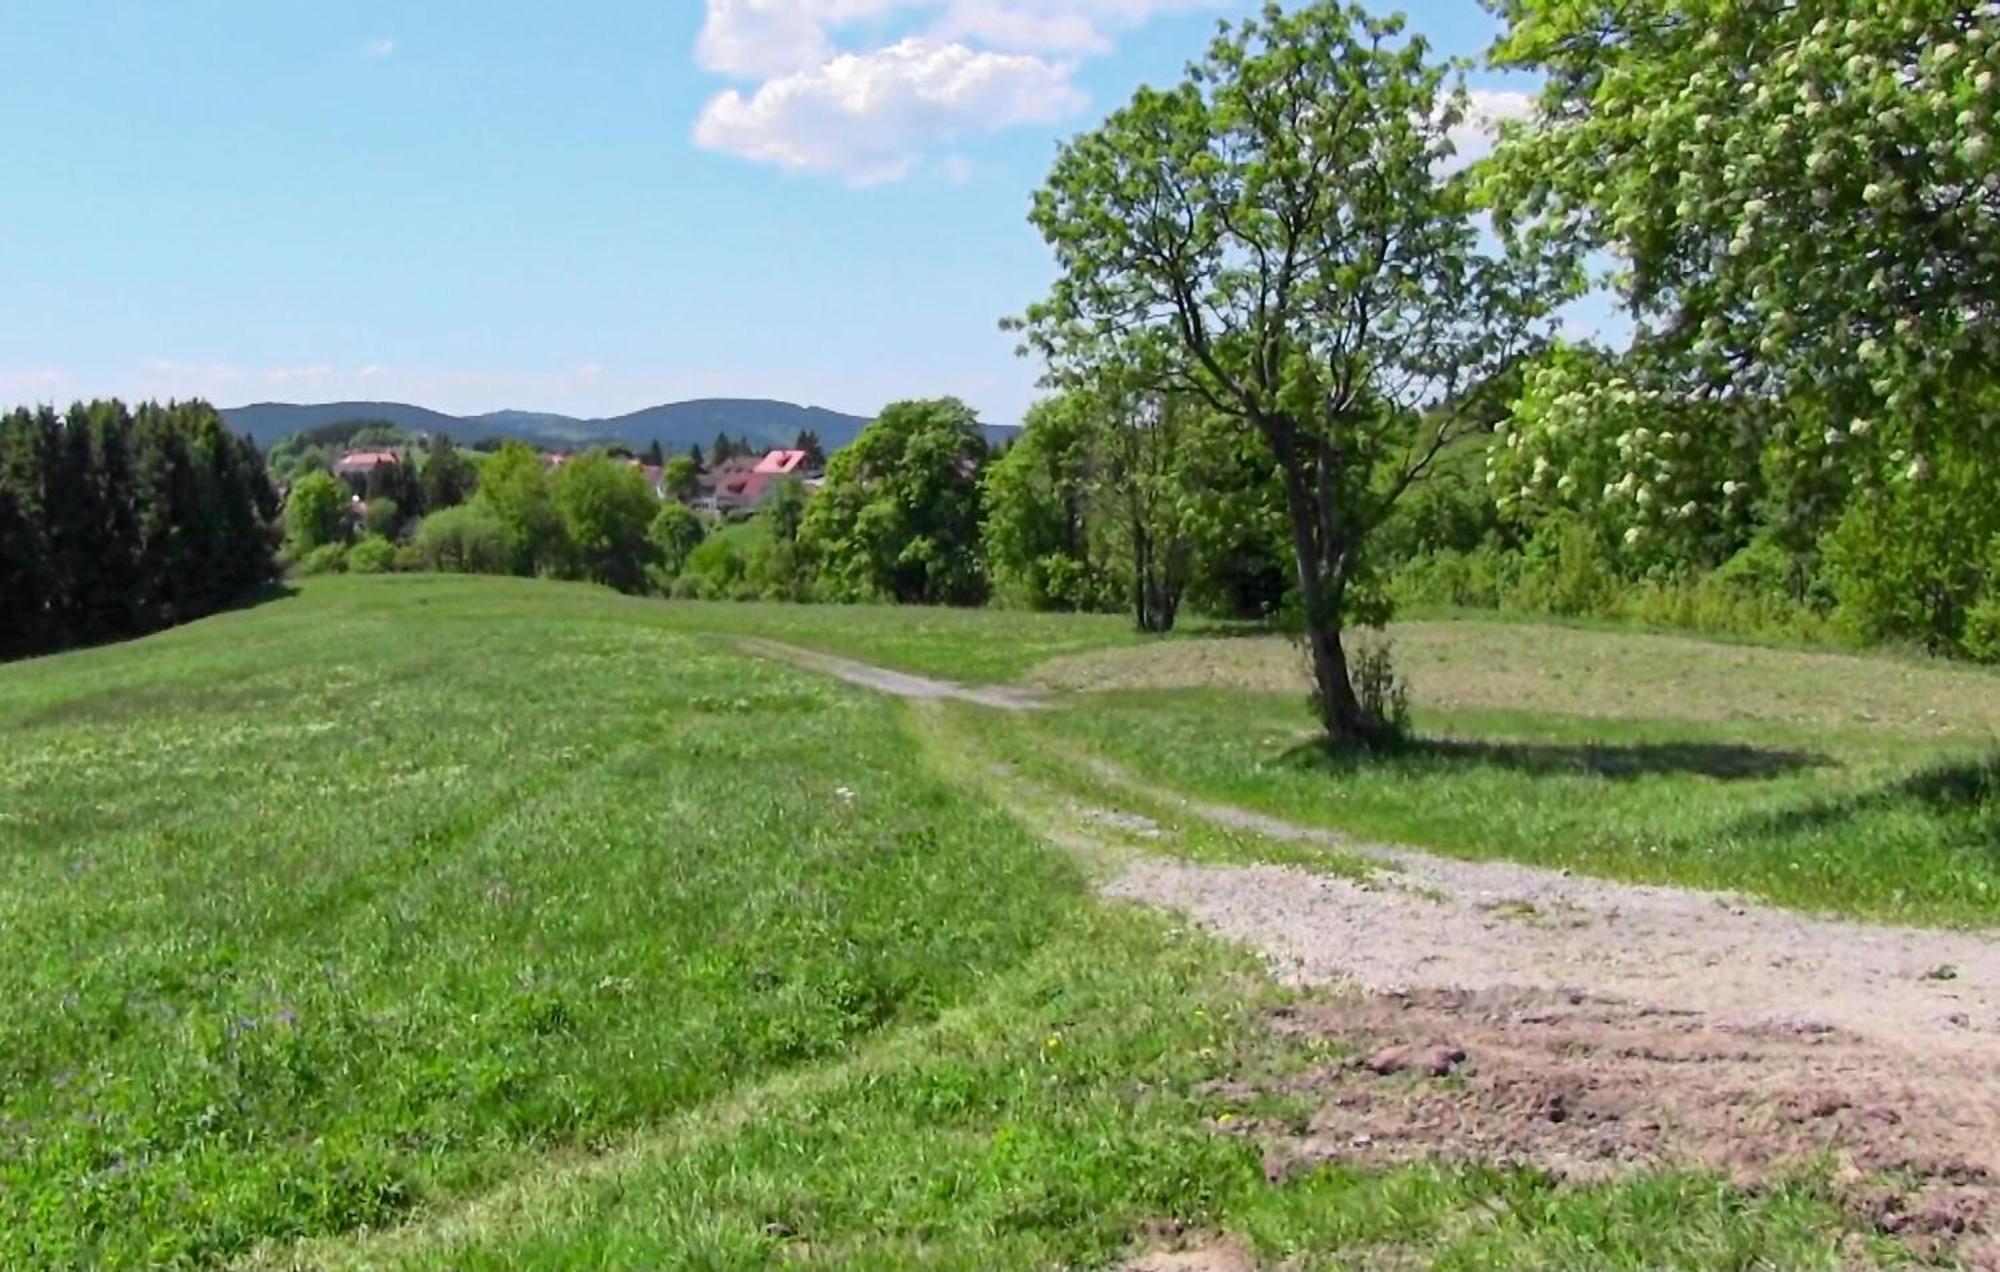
x=115 y=522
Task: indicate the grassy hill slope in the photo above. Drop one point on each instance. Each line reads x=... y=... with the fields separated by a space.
x=494 y=923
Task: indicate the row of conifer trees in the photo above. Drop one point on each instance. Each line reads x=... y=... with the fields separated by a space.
x=115 y=522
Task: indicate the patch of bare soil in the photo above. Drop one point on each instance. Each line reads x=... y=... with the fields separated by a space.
x=1586 y=1088
x=897 y=684
x=1498 y=1012
x=1177 y=1253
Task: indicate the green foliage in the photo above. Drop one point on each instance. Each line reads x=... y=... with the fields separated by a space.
x=606 y=509
x=116 y=522
x=1806 y=197
x=714 y=570
x=384 y=517
x=318 y=448
x=515 y=492
x=1037 y=498
x=808 y=441
x=1910 y=561
x=327 y=558
x=1566 y=569
x=448 y=478
x=680 y=477
x=468 y=539
x=898 y=517
x=371 y=554
x=1314 y=275
x=315 y=513
x=675 y=532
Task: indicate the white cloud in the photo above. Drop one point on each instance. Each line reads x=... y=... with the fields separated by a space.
x=590 y=371
x=867 y=117
x=927 y=72
x=287 y=375
x=1485 y=110
x=380 y=47
x=958 y=169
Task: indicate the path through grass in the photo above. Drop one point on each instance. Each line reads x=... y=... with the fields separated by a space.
x=500 y=923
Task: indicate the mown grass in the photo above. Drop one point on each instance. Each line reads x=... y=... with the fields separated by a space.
x=491 y=923
x=967 y=645
x=315 y=911
x=1854 y=821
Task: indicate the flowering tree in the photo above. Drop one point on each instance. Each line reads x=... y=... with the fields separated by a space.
x=1806 y=203
x=1278 y=238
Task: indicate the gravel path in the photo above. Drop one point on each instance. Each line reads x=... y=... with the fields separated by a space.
x=896 y=683
x=1439 y=923
x=1592 y=1027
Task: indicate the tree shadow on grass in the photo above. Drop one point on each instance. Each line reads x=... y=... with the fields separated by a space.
x=1721 y=761
x=1962 y=797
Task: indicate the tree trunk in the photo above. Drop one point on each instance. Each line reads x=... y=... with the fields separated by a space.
x=1339 y=708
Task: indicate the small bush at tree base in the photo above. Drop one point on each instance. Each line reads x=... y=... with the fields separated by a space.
x=1384 y=696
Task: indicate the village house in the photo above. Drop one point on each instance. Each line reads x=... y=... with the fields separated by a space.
x=360 y=463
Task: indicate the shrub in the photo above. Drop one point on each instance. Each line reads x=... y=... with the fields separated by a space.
x=371 y=554
x=327 y=558
x=1907 y=560
x=676 y=532
x=1566 y=570
x=315 y=513
x=384 y=517
x=468 y=539
x=1982 y=629
x=1384 y=697
x=717 y=566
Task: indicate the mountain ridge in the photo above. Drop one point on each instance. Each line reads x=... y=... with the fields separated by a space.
x=676 y=425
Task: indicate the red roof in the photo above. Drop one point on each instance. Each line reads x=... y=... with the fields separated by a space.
x=366 y=461
x=780 y=462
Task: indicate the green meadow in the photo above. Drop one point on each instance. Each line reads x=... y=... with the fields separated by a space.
x=441 y=921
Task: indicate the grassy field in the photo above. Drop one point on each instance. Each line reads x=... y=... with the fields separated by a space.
x=1823 y=781
x=493 y=923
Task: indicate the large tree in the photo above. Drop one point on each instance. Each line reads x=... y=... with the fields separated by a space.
x=315 y=513
x=1804 y=201
x=1279 y=237
x=1039 y=510
x=448 y=477
x=606 y=508
x=514 y=487
x=899 y=514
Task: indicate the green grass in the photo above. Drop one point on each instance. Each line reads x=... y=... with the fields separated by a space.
x=498 y=923
x=1840 y=820
x=969 y=645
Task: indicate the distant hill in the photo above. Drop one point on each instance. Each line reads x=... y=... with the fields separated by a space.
x=676 y=425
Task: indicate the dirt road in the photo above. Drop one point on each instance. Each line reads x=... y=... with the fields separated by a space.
x=1588 y=1026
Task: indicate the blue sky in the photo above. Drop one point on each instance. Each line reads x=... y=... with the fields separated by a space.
x=586 y=208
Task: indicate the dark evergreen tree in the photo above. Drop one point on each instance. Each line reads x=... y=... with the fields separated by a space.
x=808 y=441
x=448 y=477
x=114 y=523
